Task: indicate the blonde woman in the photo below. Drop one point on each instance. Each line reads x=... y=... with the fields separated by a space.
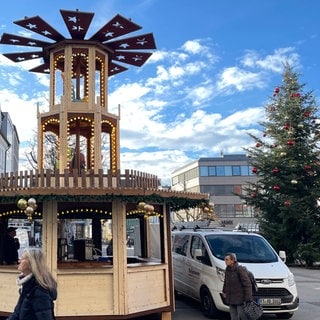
x=38 y=289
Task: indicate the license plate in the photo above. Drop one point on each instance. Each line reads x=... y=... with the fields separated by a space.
x=270 y=301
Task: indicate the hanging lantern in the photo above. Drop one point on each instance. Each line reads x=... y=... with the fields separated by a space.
x=28 y=206
x=22 y=204
x=148 y=208
x=141 y=205
x=29 y=211
x=32 y=203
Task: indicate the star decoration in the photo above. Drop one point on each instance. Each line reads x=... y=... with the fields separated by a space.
x=119 y=50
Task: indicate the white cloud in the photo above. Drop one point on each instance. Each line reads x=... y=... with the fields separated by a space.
x=193 y=47
x=240 y=79
x=272 y=62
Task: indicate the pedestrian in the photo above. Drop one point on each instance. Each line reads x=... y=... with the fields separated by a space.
x=38 y=288
x=110 y=248
x=237 y=287
x=10 y=247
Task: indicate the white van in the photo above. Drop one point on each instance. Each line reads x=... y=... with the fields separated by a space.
x=199 y=267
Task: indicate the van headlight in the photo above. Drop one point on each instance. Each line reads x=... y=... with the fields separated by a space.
x=291 y=281
x=220 y=273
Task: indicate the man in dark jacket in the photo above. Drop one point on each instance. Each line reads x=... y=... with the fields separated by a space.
x=237 y=287
x=10 y=247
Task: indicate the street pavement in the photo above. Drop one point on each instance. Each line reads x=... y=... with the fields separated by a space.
x=308 y=284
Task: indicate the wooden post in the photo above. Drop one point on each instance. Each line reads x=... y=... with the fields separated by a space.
x=49 y=234
x=119 y=257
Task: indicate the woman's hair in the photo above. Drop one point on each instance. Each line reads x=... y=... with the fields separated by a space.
x=232 y=256
x=40 y=269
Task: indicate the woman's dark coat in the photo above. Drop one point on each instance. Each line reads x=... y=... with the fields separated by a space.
x=237 y=285
x=35 y=303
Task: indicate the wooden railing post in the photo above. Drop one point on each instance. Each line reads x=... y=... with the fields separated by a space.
x=85 y=179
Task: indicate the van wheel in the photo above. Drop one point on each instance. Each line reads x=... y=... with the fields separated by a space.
x=207 y=304
x=285 y=315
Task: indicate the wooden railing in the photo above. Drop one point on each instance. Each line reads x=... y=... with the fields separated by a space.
x=84 y=179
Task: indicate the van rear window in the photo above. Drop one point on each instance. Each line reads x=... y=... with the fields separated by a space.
x=180 y=244
x=247 y=247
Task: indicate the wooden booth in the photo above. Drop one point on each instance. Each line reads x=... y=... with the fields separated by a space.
x=77 y=209
x=128 y=282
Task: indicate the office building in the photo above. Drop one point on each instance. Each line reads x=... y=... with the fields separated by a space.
x=9 y=144
x=223 y=178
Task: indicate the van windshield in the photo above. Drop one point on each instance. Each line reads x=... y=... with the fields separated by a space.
x=247 y=247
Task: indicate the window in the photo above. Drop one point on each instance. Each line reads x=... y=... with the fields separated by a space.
x=236 y=171
x=197 y=246
x=228 y=171
x=225 y=210
x=220 y=171
x=244 y=170
x=220 y=190
x=212 y=171
x=203 y=171
x=237 y=189
x=180 y=244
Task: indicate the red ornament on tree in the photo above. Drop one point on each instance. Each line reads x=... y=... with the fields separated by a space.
x=272 y=108
x=276 y=187
x=307 y=167
x=254 y=170
x=276 y=90
x=253 y=195
x=290 y=142
x=287 y=203
x=258 y=144
x=307 y=114
x=275 y=170
x=287 y=126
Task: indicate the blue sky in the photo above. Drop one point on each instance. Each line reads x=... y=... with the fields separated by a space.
x=202 y=90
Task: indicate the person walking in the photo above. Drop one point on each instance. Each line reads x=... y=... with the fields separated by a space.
x=237 y=287
x=38 y=288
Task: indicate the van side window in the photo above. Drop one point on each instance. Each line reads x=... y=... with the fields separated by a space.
x=197 y=246
x=180 y=244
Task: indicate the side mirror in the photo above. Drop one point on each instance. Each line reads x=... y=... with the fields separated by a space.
x=197 y=253
x=282 y=255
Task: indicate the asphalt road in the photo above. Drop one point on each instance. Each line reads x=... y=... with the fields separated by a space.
x=308 y=283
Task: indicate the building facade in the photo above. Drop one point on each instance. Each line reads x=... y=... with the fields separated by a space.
x=9 y=144
x=223 y=178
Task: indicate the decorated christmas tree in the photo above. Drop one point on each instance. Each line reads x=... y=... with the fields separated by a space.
x=286 y=159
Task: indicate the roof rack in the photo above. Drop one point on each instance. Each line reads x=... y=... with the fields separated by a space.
x=197 y=225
